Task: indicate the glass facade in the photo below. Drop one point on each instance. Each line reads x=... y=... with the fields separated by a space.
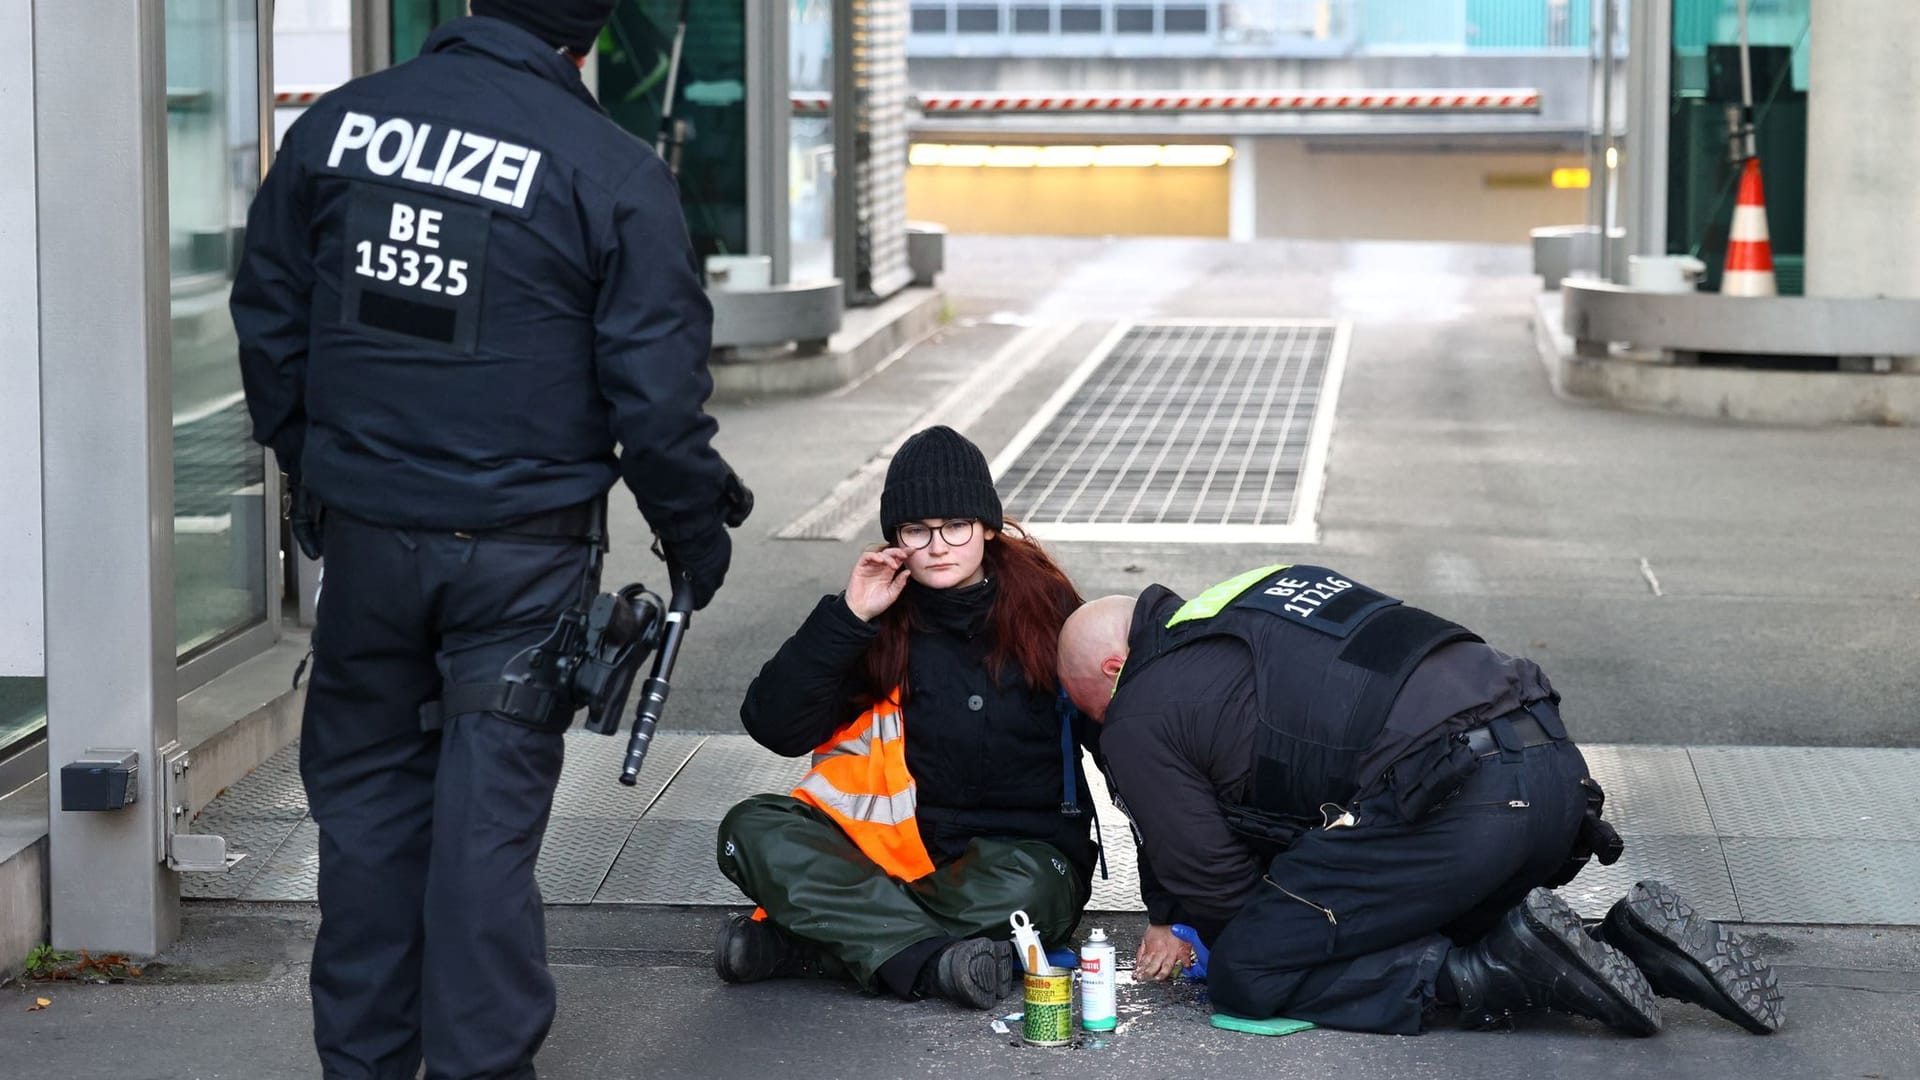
x=810 y=164
x=1706 y=84
x=1244 y=27
x=413 y=20
x=23 y=710
x=213 y=170
x=710 y=110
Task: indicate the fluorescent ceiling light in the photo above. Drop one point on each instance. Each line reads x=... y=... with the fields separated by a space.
x=1127 y=156
x=1013 y=157
x=1066 y=157
x=1196 y=154
x=966 y=156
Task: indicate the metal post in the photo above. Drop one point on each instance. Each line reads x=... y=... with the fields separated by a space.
x=269 y=524
x=1649 y=86
x=106 y=404
x=1596 y=155
x=1609 y=153
x=372 y=35
x=846 y=144
x=768 y=121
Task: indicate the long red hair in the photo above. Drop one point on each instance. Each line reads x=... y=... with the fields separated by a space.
x=1032 y=598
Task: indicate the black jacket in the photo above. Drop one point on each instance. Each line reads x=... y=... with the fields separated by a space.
x=994 y=770
x=462 y=285
x=1179 y=740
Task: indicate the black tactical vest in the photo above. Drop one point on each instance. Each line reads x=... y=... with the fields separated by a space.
x=1330 y=655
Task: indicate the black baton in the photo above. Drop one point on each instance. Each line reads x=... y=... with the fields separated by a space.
x=653 y=693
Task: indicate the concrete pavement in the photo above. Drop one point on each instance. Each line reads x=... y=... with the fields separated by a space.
x=638 y=998
x=1685 y=583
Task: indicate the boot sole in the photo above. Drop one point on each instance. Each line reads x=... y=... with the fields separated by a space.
x=973 y=973
x=1688 y=956
x=1634 y=1009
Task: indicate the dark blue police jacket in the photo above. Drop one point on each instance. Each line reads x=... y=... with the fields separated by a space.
x=462 y=285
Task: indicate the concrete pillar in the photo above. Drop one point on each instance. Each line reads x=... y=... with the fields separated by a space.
x=1863 y=161
x=1243 y=190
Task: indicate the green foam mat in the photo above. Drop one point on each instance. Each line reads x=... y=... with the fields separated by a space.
x=1275 y=1025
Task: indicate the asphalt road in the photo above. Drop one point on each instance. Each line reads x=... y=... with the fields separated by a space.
x=1787 y=604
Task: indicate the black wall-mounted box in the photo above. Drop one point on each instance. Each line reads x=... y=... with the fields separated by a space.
x=102 y=780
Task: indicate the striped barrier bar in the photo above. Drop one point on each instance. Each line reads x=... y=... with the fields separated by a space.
x=1178 y=101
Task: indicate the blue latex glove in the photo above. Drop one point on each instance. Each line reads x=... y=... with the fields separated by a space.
x=1197 y=970
x=1064 y=959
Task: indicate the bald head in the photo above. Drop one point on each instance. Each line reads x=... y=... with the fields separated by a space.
x=1093 y=649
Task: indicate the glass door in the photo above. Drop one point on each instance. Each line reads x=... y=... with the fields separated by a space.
x=221 y=521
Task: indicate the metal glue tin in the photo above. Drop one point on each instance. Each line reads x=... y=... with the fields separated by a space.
x=1049 y=999
x=1097 y=983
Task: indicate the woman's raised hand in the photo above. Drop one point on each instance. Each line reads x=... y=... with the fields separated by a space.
x=877 y=581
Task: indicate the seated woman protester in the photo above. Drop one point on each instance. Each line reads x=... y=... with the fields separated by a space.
x=945 y=791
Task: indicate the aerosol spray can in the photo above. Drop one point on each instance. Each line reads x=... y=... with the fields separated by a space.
x=1097 y=1012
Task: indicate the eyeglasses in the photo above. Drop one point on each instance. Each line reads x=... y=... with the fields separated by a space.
x=955 y=532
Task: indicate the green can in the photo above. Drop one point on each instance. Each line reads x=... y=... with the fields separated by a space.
x=1049 y=1017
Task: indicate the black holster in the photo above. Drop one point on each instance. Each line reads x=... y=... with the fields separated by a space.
x=1431 y=775
x=1595 y=840
x=306 y=520
x=534 y=689
x=1266 y=833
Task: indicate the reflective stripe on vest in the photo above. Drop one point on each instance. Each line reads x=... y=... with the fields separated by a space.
x=860 y=780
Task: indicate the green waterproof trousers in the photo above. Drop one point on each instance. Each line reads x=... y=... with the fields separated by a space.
x=818 y=886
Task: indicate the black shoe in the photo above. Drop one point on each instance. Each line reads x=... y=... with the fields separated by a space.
x=1538 y=957
x=748 y=951
x=1688 y=956
x=975 y=972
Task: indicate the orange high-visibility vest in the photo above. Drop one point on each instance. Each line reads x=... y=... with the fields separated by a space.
x=860 y=780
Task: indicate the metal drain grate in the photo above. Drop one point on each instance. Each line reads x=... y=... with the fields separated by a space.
x=1184 y=431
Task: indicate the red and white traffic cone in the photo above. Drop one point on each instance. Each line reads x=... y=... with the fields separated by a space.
x=1749 y=270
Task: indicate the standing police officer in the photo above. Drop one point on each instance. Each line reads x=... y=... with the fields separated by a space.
x=463 y=284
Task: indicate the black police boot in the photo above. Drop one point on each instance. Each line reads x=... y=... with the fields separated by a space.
x=1538 y=957
x=748 y=951
x=1688 y=956
x=975 y=972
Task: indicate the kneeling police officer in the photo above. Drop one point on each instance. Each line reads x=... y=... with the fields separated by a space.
x=463 y=284
x=1360 y=805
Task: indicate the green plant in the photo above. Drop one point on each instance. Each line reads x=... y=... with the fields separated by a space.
x=45 y=963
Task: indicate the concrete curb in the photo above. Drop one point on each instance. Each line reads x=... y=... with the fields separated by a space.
x=867 y=337
x=23 y=883
x=1650 y=384
x=231 y=725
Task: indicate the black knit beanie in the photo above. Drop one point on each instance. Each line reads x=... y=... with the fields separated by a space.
x=937 y=473
x=572 y=24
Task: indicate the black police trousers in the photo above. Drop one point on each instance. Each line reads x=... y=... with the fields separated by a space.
x=432 y=938
x=1349 y=926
